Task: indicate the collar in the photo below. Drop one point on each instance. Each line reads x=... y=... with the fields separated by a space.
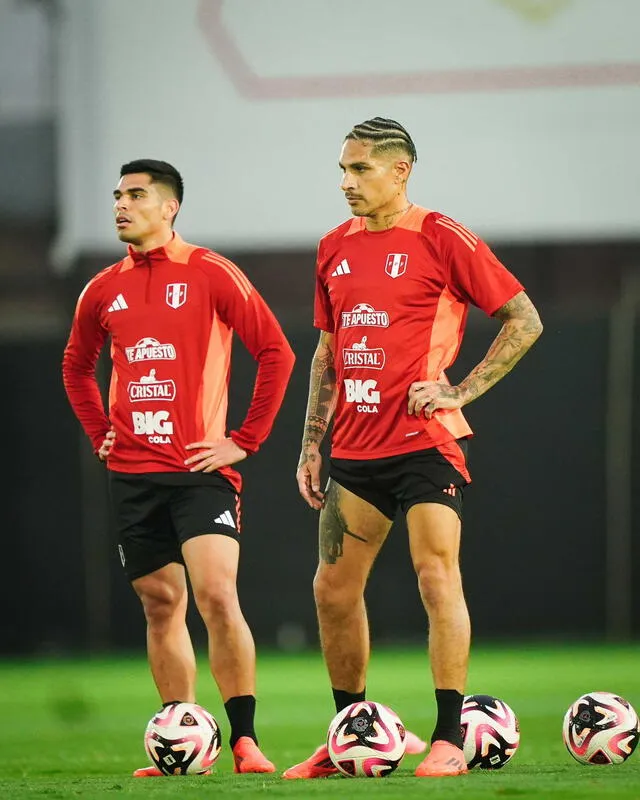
x=164 y=253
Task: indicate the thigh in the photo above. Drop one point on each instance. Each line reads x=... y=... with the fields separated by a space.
x=198 y=510
x=212 y=563
x=146 y=539
x=434 y=533
x=351 y=533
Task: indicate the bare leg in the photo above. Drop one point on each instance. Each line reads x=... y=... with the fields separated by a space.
x=434 y=537
x=164 y=598
x=212 y=562
x=351 y=534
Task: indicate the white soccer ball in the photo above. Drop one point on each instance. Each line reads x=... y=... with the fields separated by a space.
x=601 y=728
x=490 y=729
x=366 y=740
x=182 y=739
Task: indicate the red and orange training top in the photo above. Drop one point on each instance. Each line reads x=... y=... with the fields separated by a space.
x=397 y=302
x=170 y=314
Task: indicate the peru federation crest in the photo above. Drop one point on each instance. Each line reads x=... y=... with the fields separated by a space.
x=396 y=264
x=176 y=294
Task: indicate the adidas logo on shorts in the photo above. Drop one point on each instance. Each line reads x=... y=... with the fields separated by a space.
x=225 y=519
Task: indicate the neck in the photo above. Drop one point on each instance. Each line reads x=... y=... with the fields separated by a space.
x=387 y=216
x=159 y=239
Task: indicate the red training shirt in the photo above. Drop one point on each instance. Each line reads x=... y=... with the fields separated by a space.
x=170 y=314
x=397 y=302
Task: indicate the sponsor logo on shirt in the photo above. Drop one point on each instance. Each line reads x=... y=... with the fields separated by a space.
x=149 y=349
x=366 y=316
x=396 y=264
x=155 y=425
x=359 y=355
x=363 y=394
x=150 y=388
x=176 y=294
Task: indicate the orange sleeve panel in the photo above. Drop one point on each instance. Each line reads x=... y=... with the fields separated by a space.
x=240 y=307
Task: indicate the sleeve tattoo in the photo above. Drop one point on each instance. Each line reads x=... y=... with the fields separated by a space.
x=322 y=394
x=521 y=327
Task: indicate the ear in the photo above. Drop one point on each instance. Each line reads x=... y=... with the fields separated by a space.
x=171 y=208
x=402 y=170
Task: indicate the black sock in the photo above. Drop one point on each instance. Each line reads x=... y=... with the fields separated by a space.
x=344 y=699
x=241 y=711
x=449 y=710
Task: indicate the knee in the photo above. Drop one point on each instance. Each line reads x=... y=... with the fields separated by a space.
x=162 y=602
x=334 y=596
x=438 y=580
x=217 y=601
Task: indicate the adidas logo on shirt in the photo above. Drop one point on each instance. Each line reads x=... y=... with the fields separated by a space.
x=341 y=269
x=225 y=519
x=119 y=304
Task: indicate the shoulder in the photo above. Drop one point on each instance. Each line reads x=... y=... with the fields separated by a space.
x=448 y=232
x=332 y=239
x=93 y=289
x=220 y=269
x=339 y=232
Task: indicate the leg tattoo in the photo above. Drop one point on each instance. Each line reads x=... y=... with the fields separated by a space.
x=333 y=527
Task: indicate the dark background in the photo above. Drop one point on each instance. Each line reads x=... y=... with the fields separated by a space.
x=534 y=542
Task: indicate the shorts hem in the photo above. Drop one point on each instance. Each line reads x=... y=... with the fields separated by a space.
x=441 y=501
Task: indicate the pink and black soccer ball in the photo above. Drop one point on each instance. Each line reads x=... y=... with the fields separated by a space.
x=366 y=740
x=601 y=728
x=490 y=730
x=182 y=739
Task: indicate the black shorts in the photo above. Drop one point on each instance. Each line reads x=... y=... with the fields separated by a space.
x=156 y=512
x=436 y=475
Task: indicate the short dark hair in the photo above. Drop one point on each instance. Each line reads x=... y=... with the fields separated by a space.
x=386 y=134
x=159 y=172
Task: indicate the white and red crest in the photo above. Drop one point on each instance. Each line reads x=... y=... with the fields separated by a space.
x=176 y=294
x=396 y=264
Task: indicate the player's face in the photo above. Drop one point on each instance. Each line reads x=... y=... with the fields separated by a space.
x=142 y=209
x=370 y=183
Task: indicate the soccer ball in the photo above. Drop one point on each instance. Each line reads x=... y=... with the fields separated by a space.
x=182 y=739
x=601 y=728
x=490 y=730
x=366 y=740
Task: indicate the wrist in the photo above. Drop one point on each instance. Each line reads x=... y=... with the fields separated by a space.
x=465 y=394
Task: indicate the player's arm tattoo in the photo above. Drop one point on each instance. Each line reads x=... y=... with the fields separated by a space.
x=322 y=396
x=333 y=527
x=521 y=327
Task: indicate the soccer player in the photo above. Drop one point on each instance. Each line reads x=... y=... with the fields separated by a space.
x=170 y=310
x=393 y=287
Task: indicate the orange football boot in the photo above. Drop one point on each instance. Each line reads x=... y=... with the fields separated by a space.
x=444 y=759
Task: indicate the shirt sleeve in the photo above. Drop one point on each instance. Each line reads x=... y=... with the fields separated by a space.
x=242 y=308
x=322 y=316
x=85 y=342
x=475 y=274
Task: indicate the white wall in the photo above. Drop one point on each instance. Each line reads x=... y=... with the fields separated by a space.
x=526 y=114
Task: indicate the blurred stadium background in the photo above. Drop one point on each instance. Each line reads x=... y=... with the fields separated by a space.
x=526 y=118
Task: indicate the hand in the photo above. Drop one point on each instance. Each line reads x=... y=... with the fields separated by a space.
x=308 y=477
x=214 y=455
x=107 y=444
x=429 y=396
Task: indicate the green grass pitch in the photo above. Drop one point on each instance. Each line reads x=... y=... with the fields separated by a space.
x=73 y=729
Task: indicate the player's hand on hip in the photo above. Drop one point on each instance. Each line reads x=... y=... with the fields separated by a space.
x=308 y=477
x=214 y=455
x=426 y=397
x=107 y=444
